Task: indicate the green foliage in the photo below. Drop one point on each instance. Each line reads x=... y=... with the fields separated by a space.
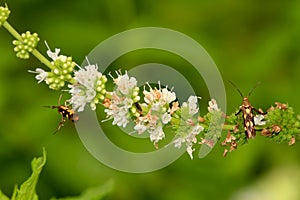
x=2 y=196
x=27 y=190
x=95 y=193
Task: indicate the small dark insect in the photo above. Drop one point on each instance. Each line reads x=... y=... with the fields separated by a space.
x=66 y=113
x=139 y=108
x=247 y=109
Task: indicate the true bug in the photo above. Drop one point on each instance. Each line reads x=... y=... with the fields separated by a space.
x=247 y=109
x=66 y=113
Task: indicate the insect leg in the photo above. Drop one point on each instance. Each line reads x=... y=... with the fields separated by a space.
x=259 y=111
x=238 y=112
x=61 y=123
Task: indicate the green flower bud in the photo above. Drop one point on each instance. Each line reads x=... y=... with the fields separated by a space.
x=26 y=45
x=4 y=14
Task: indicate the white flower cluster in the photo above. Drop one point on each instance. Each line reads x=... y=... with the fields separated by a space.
x=190 y=127
x=62 y=68
x=157 y=104
x=120 y=106
x=213 y=106
x=89 y=88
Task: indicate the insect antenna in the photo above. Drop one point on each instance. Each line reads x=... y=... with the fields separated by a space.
x=58 y=103
x=255 y=86
x=237 y=88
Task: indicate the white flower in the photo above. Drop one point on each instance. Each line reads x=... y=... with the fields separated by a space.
x=178 y=142
x=125 y=84
x=83 y=91
x=156 y=134
x=41 y=74
x=120 y=118
x=156 y=106
x=166 y=118
x=258 y=120
x=53 y=55
x=122 y=100
x=190 y=151
x=161 y=96
x=148 y=96
x=119 y=110
x=128 y=103
x=167 y=96
x=197 y=129
x=140 y=128
x=193 y=105
x=189 y=139
x=213 y=106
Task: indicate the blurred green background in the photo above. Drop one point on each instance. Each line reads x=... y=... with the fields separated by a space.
x=249 y=40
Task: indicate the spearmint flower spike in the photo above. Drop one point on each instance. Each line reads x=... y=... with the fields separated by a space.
x=189 y=126
x=120 y=106
x=89 y=87
x=61 y=71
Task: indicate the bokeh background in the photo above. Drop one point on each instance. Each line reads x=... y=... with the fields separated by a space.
x=249 y=40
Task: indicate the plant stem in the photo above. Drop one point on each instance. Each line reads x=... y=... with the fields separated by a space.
x=35 y=52
x=12 y=31
x=228 y=127
x=42 y=58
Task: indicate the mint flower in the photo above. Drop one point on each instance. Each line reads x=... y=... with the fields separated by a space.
x=189 y=139
x=192 y=105
x=120 y=106
x=140 y=128
x=157 y=106
x=125 y=85
x=4 y=14
x=213 y=106
x=88 y=87
x=41 y=74
x=119 y=110
x=189 y=127
x=63 y=67
x=26 y=45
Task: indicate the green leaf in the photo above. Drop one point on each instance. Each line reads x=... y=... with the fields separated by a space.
x=27 y=189
x=2 y=196
x=95 y=193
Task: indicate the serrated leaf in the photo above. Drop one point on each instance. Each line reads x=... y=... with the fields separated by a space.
x=2 y=196
x=96 y=193
x=27 y=190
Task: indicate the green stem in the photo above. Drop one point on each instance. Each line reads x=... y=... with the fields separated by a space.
x=12 y=31
x=42 y=58
x=228 y=127
x=35 y=52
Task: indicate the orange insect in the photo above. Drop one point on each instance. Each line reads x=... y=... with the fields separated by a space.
x=66 y=113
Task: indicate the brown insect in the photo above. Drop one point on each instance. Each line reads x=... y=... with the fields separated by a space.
x=66 y=113
x=247 y=109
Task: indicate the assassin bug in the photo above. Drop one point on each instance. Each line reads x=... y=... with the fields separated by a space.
x=247 y=109
x=66 y=113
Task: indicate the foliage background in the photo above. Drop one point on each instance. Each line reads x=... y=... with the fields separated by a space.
x=249 y=40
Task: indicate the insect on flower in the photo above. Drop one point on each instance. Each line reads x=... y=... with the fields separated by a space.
x=66 y=113
x=247 y=109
